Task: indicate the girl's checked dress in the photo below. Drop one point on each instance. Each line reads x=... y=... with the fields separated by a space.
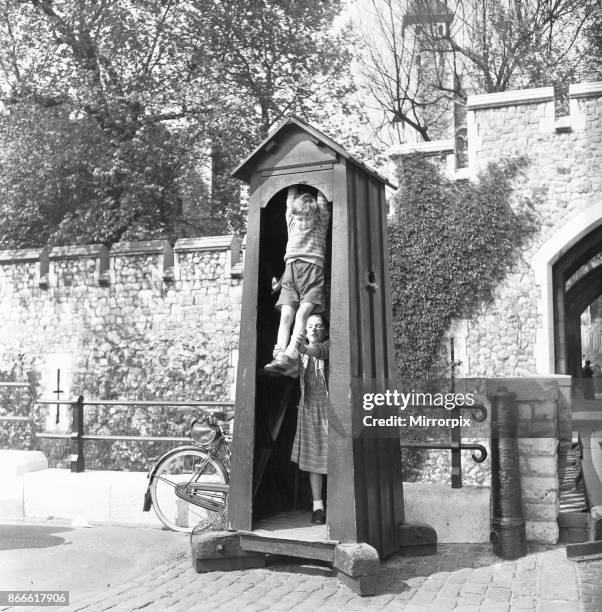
x=310 y=448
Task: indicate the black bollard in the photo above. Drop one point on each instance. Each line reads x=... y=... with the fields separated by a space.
x=508 y=534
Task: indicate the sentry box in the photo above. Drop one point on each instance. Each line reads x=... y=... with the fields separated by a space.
x=269 y=502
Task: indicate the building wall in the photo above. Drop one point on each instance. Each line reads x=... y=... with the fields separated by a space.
x=513 y=336
x=142 y=321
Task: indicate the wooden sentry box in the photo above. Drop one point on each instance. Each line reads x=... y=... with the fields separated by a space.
x=364 y=489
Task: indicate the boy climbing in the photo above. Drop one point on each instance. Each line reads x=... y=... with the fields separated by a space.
x=302 y=292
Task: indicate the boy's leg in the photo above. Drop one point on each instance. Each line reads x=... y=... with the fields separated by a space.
x=298 y=336
x=287 y=316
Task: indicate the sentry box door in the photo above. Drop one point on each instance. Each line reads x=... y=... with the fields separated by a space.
x=364 y=489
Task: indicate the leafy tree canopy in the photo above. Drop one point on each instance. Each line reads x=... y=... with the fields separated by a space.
x=115 y=111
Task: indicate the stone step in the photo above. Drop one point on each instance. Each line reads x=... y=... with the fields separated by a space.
x=574 y=519
x=589 y=551
x=574 y=527
x=573 y=535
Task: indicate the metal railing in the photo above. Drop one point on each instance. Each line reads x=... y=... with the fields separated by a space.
x=456 y=446
x=78 y=435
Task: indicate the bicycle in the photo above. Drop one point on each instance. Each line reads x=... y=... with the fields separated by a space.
x=189 y=485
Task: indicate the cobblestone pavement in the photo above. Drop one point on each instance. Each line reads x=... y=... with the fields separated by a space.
x=460 y=577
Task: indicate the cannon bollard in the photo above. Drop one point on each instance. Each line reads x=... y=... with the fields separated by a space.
x=508 y=534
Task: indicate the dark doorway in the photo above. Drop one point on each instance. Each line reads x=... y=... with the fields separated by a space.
x=577 y=283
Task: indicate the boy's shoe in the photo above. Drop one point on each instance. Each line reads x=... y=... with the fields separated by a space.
x=318 y=517
x=283 y=365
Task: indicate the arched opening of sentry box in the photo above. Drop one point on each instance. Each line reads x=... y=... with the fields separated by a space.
x=279 y=486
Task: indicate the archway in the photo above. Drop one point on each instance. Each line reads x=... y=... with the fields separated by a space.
x=574 y=289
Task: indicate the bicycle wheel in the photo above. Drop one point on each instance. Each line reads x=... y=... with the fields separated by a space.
x=194 y=467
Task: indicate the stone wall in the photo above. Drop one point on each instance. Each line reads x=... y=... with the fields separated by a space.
x=143 y=321
x=513 y=336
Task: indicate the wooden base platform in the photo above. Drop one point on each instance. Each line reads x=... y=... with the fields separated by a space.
x=290 y=534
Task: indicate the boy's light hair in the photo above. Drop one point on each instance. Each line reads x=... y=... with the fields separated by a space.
x=305 y=204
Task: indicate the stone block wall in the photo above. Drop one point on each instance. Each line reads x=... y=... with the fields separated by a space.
x=141 y=321
x=540 y=403
x=513 y=335
x=564 y=173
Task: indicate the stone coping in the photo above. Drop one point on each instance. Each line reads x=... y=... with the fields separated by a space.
x=207 y=243
x=585 y=90
x=510 y=98
x=432 y=147
x=144 y=247
x=99 y=251
x=78 y=251
x=531 y=388
x=23 y=255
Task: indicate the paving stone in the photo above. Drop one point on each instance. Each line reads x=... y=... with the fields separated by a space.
x=558 y=606
x=496 y=606
x=523 y=602
x=450 y=589
x=423 y=597
x=444 y=603
x=432 y=585
x=544 y=581
x=471 y=599
x=498 y=594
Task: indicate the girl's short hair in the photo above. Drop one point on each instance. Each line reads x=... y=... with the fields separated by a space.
x=305 y=204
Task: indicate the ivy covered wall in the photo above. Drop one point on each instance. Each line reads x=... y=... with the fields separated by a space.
x=464 y=242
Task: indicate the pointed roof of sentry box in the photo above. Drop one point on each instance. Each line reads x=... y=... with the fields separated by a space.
x=243 y=170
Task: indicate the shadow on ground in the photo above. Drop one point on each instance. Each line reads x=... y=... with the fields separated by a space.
x=13 y=537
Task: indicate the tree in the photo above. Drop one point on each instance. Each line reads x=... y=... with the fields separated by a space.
x=422 y=56
x=150 y=89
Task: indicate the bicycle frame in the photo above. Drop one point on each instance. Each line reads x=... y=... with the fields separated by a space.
x=191 y=491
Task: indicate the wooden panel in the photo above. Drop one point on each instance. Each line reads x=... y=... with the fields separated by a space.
x=388 y=460
x=394 y=450
x=378 y=460
x=292 y=526
x=294 y=148
x=271 y=185
x=241 y=478
x=341 y=514
x=290 y=548
x=369 y=481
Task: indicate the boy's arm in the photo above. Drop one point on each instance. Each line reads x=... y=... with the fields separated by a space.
x=323 y=210
x=292 y=194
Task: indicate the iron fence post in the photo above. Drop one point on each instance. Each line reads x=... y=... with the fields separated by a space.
x=456 y=431
x=77 y=433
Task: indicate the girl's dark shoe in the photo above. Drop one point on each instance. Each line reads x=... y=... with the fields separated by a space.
x=318 y=517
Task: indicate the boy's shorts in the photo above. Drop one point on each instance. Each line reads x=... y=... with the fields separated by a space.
x=302 y=282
